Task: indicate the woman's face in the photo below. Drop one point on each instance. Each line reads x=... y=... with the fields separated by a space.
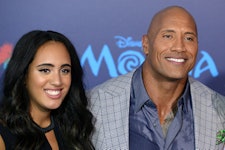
x=49 y=77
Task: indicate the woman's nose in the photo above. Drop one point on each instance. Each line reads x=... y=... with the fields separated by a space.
x=56 y=79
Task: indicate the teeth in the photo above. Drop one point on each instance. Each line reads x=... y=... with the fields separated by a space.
x=53 y=92
x=175 y=59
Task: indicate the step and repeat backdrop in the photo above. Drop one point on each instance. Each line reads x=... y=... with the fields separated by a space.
x=107 y=34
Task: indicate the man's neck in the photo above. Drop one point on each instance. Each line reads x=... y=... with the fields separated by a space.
x=164 y=94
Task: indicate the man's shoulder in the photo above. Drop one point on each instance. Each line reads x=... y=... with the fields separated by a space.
x=199 y=87
x=110 y=93
x=199 y=90
x=117 y=82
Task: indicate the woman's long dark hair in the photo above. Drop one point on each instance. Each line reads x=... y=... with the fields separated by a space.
x=72 y=117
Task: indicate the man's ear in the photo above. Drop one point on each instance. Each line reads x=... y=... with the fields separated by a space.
x=145 y=44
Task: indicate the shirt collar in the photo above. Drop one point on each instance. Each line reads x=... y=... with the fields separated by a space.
x=140 y=95
x=185 y=99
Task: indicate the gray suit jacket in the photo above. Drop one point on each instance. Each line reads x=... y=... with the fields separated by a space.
x=110 y=101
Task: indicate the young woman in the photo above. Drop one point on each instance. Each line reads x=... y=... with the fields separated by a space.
x=44 y=105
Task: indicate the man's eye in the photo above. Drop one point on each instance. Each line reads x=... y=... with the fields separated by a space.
x=167 y=36
x=189 y=38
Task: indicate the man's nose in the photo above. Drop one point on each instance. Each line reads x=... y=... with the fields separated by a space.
x=179 y=45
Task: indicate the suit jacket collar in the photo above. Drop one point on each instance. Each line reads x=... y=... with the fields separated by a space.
x=207 y=122
x=113 y=98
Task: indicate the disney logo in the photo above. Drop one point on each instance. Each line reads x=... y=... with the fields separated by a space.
x=127 y=42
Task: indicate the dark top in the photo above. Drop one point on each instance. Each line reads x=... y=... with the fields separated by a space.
x=10 y=139
x=144 y=127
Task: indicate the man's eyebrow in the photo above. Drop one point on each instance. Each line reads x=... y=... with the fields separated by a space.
x=168 y=30
x=173 y=31
x=193 y=33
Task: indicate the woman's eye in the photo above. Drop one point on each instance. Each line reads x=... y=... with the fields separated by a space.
x=65 y=71
x=44 y=70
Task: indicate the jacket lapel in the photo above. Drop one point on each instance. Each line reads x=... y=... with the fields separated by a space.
x=116 y=108
x=206 y=120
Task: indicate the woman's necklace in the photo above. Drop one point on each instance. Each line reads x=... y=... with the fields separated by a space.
x=48 y=128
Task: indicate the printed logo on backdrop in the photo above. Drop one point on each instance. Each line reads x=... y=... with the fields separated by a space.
x=5 y=54
x=130 y=58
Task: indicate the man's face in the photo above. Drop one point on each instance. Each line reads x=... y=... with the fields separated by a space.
x=172 y=46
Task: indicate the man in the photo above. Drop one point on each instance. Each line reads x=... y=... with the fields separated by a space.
x=158 y=106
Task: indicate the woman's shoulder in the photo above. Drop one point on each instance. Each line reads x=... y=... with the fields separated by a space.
x=7 y=136
x=3 y=128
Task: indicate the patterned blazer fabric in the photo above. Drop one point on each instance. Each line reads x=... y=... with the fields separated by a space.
x=109 y=103
x=208 y=115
